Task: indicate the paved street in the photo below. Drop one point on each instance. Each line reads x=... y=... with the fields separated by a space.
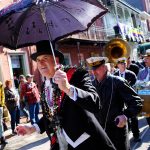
x=32 y=142
x=144 y=134
x=28 y=142
x=38 y=141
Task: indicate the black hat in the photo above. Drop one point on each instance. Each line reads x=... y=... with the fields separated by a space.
x=43 y=47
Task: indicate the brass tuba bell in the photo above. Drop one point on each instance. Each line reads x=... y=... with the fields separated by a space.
x=117 y=48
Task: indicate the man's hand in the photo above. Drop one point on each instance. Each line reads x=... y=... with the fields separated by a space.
x=25 y=129
x=122 y=121
x=60 y=78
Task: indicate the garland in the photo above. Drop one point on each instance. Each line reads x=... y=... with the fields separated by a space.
x=52 y=116
x=51 y=113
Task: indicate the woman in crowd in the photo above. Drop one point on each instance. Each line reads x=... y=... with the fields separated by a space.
x=12 y=103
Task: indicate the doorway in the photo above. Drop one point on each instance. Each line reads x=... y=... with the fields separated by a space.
x=18 y=63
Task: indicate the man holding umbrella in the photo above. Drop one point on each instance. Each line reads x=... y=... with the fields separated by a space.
x=68 y=105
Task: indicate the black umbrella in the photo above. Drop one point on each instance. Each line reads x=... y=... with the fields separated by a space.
x=29 y=21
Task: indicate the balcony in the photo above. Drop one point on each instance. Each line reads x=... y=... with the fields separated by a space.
x=95 y=33
x=147 y=36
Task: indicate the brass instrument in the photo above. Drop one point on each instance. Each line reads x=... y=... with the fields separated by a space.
x=117 y=48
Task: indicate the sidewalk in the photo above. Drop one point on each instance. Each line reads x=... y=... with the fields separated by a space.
x=28 y=142
x=34 y=141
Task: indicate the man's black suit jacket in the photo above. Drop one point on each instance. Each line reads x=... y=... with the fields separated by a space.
x=78 y=116
x=129 y=76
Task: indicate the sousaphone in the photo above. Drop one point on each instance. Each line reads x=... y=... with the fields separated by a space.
x=117 y=48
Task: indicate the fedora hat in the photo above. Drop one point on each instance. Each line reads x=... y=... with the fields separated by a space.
x=147 y=53
x=95 y=62
x=43 y=47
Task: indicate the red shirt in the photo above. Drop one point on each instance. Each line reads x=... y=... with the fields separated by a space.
x=31 y=92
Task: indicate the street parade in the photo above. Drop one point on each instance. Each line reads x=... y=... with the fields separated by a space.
x=74 y=74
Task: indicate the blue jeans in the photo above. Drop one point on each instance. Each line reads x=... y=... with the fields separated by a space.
x=24 y=108
x=34 y=111
x=1 y=122
x=18 y=116
x=15 y=117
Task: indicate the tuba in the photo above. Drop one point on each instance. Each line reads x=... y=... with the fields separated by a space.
x=117 y=48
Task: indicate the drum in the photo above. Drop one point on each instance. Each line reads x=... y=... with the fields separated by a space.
x=145 y=95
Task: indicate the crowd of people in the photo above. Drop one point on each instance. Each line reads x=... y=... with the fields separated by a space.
x=79 y=113
x=23 y=97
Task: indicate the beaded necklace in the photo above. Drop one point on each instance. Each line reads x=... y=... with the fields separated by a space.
x=52 y=114
x=57 y=96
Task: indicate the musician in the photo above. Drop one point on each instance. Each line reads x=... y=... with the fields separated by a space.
x=68 y=113
x=115 y=93
x=124 y=72
x=130 y=76
x=144 y=75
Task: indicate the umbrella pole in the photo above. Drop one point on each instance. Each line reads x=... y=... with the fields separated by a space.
x=49 y=35
x=79 y=54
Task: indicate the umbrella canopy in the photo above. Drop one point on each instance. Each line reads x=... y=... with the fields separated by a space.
x=28 y=21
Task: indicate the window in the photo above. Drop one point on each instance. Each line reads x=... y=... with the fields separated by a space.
x=15 y=61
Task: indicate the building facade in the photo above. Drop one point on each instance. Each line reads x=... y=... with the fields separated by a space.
x=128 y=22
x=144 y=6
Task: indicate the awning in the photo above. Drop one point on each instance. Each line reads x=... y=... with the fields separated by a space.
x=143 y=47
